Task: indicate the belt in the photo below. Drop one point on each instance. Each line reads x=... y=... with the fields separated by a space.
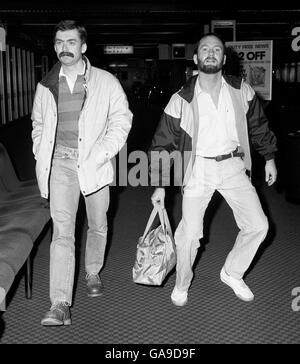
x=62 y=152
x=235 y=153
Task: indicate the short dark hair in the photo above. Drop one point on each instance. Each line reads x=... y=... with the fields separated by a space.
x=69 y=25
x=210 y=34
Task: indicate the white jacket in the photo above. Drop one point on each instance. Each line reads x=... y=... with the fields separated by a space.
x=104 y=124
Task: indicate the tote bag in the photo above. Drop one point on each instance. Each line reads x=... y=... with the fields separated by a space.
x=156 y=252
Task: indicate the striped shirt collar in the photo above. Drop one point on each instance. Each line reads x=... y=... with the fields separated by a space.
x=61 y=72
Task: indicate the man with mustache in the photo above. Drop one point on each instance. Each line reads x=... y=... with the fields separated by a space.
x=81 y=120
x=211 y=121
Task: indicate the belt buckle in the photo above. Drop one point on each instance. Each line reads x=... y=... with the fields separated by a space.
x=219 y=158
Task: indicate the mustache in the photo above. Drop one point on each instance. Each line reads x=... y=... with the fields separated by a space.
x=62 y=54
x=210 y=59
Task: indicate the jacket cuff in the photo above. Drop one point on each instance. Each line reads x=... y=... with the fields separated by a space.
x=269 y=156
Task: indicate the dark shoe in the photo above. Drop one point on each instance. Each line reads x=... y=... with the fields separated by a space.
x=58 y=315
x=94 y=285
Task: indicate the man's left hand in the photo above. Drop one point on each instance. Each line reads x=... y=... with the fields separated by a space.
x=271 y=172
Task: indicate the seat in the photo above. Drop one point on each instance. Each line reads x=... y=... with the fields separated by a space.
x=8 y=174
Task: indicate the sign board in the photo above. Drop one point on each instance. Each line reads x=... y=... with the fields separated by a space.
x=256 y=62
x=118 y=49
x=176 y=51
x=225 y=28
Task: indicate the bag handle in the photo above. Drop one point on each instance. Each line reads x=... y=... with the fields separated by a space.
x=167 y=222
x=150 y=222
x=164 y=221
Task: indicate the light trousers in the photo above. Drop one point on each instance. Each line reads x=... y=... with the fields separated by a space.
x=229 y=178
x=64 y=200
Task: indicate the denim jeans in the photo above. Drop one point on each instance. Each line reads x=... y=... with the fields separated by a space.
x=64 y=200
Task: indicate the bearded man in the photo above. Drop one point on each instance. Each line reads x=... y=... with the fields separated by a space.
x=211 y=121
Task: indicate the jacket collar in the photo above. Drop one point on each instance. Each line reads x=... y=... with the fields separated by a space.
x=51 y=79
x=188 y=89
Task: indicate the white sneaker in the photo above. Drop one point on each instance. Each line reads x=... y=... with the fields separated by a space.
x=179 y=298
x=239 y=287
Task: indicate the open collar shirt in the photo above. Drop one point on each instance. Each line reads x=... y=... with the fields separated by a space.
x=70 y=81
x=217 y=131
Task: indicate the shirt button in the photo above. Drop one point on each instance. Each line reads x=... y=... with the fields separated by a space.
x=78 y=166
x=80 y=139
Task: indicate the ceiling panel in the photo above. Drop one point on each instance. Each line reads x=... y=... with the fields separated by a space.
x=145 y=24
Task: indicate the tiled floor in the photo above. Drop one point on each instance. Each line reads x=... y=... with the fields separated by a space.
x=131 y=313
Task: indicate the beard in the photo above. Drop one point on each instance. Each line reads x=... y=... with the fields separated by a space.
x=210 y=68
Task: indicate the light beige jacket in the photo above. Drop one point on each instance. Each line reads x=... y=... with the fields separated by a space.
x=104 y=123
